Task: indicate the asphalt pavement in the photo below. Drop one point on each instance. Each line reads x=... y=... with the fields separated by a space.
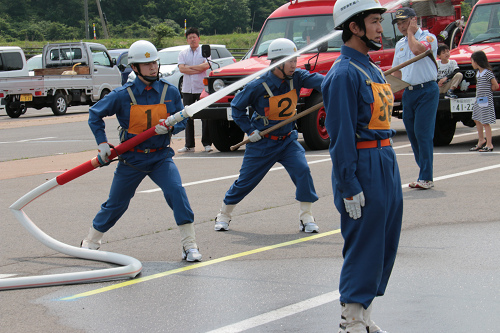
x=262 y=275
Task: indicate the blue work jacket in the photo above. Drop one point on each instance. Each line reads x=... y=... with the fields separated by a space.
x=255 y=94
x=118 y=103
x=347 y=100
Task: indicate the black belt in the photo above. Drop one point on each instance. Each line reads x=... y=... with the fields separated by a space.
x=420 y=86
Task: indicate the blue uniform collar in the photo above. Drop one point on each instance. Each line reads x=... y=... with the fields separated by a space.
x=356 y=55
x=274 y=79
x=139 y=86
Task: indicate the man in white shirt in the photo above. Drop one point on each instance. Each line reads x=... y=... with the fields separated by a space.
x=194 y=67
x=449 y=76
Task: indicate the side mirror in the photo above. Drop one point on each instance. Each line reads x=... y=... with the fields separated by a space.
x=113 y=61
x=323 y=47
x=205 y=51
x=121 y=67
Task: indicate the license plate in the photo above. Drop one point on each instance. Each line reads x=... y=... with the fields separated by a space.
x=26 y=97
x=462 y=104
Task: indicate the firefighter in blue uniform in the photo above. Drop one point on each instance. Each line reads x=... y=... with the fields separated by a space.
x=365 y=176
x=274 y=98
x=138 y=105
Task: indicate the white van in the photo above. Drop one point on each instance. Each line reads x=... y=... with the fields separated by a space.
x=12 y=63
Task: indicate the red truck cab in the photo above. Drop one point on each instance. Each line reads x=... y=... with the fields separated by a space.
x=482 y=32
x=303 y=22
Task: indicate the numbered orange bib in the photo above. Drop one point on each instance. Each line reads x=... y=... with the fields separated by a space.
x=283 y=106
x=383 y=102
x=381 y=106
x=143 y=117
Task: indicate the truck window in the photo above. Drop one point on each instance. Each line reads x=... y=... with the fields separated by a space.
x=483 y=24
x=11 y=61
x=124 y=60
x=301 y=30
x=99 y=57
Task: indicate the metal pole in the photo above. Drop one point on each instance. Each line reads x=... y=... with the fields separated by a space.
x=86 y=10
x=104 y=28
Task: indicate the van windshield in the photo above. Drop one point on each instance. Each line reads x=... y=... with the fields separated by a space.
x=483 y=25
x=302 y=30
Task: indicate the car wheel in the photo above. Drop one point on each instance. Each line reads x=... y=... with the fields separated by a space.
x=224 y=134
x=13 y=112
x=313 y=125
x=444 y=130
x=59 y=104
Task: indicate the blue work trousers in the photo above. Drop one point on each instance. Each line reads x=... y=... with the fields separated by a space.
x=419 y=117
x=371 y=242
x=256 y=164
x=126 y=180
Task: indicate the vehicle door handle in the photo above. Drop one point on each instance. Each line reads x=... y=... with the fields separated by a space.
x=95 y=69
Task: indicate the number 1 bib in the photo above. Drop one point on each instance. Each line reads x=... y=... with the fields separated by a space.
x=143 y=117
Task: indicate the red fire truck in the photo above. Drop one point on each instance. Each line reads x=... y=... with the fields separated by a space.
x=304 y=22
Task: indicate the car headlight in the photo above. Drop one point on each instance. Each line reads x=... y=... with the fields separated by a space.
x=218 y=84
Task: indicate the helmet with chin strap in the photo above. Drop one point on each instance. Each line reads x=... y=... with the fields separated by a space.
x=142 y=52
x=345 y=10
x=281 y=48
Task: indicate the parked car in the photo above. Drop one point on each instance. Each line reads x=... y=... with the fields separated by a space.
x=121 y=57
x=169 y=69
x=33 y=63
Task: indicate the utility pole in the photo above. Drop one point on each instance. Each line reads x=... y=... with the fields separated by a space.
x=104 y=28
x=86 y=10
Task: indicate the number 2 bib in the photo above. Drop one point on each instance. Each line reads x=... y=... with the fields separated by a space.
x=281 y=107
x=143 y=117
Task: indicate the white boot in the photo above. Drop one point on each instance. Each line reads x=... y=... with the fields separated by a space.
x=224 y=217
x=93 y=240
x=190 y=250
x=372 y=327
x=352 y=318
x=307 y=223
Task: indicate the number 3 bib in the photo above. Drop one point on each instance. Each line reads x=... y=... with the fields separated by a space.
x=283 y=106
x=383 y=102
x=143 y=117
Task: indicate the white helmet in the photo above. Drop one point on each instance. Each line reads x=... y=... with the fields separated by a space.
x=343 y=10
x=280 y=47
x=141 y=52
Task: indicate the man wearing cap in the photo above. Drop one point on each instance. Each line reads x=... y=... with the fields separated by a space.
x=420 y=100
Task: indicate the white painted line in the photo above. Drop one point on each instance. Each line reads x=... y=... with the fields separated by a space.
x=2 y=276
x=50 y=137
x=279 y=313
x=463 y=173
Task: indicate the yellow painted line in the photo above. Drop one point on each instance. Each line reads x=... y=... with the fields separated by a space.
x=197 y=265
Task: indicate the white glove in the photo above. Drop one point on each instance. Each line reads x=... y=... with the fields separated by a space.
x=160 y=129
x=104 y=151
x=254 y=136
x=353 y=205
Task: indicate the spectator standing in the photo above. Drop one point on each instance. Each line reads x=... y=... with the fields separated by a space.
x=151 y=158
x=194 y=67
x=420 y=100
x=365 y=174
x=273 y=96
x=449 y=76
x=483 y=112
